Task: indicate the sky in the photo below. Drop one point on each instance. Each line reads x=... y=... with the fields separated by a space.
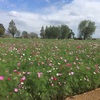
x=31 y=15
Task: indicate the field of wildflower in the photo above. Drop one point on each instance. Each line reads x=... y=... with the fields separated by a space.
x=40 y=69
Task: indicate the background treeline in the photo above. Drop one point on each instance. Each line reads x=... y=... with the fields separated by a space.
x=86 y=28
x=13 y=31
x=60 y=32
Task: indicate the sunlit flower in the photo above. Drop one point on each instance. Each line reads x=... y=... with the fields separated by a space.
x=71 y=73
x=23 y=79
x=9 y=79
x=20 y=86
x=29 y=58
x=59 y=74
x=24 y=72
x=39 y=74
x=94 y=72
x=79 y=46
x=50 y=64
x=54 y=78
x=16 y=90
x=18 y=64
x=1 y=77
x=23 y=54
x=76 y=58
x=74 y=63
x=42 y=63
x=49 y=71
x=31 y=63
x=59 y=83
x=88 y=68
x=77 y=67
x=58 y=63
x=28 y=73
x=61 y=58
x=65 y=60
x=68 y=64
x=52 y=84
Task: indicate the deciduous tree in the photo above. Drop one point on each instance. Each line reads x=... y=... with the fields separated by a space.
x=42 y=32
x=12 y=28
x=25 y=34
x=2 y=30
x=86 y=29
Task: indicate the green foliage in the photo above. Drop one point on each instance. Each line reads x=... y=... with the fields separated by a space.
x=65 y=31
x=12 y=28
x=54 y=32
x=17 y=33
x=33 y=35
x=71 y=34
x=42 y=32
x=48 y=69
x=25 y=34
x=86 y=29
x=2 y=30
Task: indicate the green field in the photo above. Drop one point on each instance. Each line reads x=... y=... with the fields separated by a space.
x=41 y=69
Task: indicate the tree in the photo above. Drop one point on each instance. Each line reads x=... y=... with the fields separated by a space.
x=42 y=32
x=86 y=29
x=51 y=32
x=65 y=31
x=60 y=32
x=71 y=34
x=33 y=35
x=12 y=28
x=17 y=33
x=7 y=34
x=25 y=34
x=2 y=30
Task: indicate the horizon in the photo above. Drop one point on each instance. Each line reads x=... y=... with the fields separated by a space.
x=31 y=15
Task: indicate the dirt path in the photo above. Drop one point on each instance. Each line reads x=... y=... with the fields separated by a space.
x=91 y=95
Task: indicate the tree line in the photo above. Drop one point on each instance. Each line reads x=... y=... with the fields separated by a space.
x=86 y=28
x=14 y=32
x=60 y=32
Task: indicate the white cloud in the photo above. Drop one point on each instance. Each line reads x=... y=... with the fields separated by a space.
x=70 y=14
x=14 y=14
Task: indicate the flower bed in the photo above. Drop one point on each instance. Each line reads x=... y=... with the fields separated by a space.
x=48 y=69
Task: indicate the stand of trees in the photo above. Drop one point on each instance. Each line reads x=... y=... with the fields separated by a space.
x=86 y=29
x=60 y=32
x=14 y=32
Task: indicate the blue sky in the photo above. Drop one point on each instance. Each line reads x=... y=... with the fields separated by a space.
x=30 y=5
x=30 y=15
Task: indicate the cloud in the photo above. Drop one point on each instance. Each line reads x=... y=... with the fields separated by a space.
x=70 y=14
x=14 y=14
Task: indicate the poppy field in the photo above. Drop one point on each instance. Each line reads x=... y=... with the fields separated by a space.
x=41 y=69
